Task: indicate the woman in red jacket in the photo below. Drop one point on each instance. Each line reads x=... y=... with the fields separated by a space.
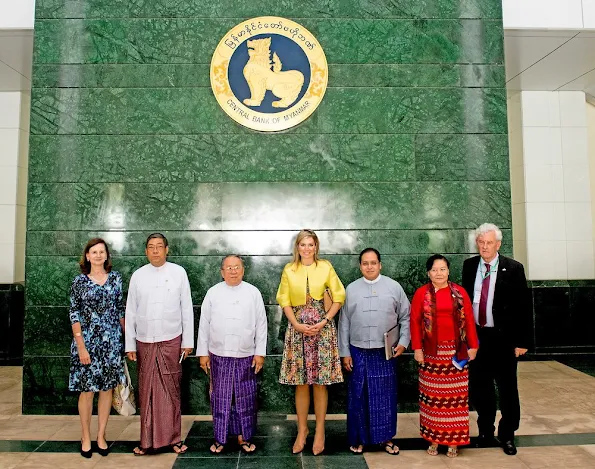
x=443 y=336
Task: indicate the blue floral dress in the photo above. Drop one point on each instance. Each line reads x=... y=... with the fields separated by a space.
x=98 y=308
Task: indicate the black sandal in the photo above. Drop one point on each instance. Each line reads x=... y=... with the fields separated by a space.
x=389 y=448
x=217 y=445
x=245 y=447
x=140 y=451
x=178 y=447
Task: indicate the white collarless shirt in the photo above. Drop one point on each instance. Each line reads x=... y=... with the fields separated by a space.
x=159 y=306
x=233 y=322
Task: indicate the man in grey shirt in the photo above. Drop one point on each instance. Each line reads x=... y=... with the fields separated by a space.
x=374 y=304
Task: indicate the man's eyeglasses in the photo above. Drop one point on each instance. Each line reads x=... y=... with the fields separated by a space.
x=232 y=268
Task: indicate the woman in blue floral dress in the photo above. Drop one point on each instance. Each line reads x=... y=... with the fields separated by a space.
x=97 y=318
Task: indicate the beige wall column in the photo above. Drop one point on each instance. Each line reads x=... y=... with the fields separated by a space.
x=551 y=187
x=14 y=147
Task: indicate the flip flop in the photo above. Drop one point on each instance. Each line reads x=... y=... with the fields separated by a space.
x=390 y=447
x=433 y=449
x=178 y=448
x=216 y=450
x=139 y=451
x=245 y=447
x=356 y=449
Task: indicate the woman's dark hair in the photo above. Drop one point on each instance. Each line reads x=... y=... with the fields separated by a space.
x=86 y=265
x=375 y=251
x=434 y=258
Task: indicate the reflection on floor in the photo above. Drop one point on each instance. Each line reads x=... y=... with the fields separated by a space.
x=557 y=430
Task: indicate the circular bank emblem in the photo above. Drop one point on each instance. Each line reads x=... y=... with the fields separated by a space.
x=269 y=73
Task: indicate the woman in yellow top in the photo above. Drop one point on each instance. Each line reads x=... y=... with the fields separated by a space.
x=310 y=353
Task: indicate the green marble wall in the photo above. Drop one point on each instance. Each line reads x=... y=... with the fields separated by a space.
x=407 y=153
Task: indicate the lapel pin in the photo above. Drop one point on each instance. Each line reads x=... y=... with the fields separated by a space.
x=503 y=269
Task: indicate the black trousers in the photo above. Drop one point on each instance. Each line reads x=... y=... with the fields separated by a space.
x=495 y=365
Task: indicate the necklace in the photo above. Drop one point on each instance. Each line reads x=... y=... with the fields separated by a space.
x=97 y=280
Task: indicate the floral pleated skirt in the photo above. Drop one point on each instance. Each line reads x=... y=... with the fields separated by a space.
x=311 y=359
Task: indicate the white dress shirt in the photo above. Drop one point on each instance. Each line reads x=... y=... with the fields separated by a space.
x=159 y=306
x=481 y=273
x=233 y=322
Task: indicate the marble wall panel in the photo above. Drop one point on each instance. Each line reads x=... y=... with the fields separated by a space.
x=192 y=40
x=347 y=110
x=250 y=243
x=236 y=158
x=407 y=153
x=197 y=75
x=461 y=157
x=45 y=385
x=223 y=157
x=562 y=315
x=166 y=111
x=57 y=9
x=268 y=206
x=12 y=302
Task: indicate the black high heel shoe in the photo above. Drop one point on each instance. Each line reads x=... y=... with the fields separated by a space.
x=86 y=454
x=102 y=451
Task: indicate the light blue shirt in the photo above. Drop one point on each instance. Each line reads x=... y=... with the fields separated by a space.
x=481 y=273
x=371 y=308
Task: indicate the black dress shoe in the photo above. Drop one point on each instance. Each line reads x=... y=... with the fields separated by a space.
x=509 y=447
x=485 y=441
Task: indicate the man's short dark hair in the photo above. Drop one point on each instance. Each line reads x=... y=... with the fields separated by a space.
x=375 y=251
x=156 y=236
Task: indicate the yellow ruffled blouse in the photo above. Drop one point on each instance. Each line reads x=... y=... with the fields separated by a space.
x=320 y=276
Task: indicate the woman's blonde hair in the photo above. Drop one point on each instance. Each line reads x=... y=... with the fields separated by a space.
x=301 y=235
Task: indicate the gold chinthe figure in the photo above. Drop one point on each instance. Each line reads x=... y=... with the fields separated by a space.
x=260 y=77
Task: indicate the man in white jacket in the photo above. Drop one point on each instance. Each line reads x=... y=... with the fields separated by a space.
x=232 y=339
x=159 y=335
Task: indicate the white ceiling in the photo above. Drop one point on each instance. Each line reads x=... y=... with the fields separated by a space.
x=16 y=55
x=550 y=60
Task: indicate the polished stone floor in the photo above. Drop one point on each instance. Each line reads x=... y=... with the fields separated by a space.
x=557 y=431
